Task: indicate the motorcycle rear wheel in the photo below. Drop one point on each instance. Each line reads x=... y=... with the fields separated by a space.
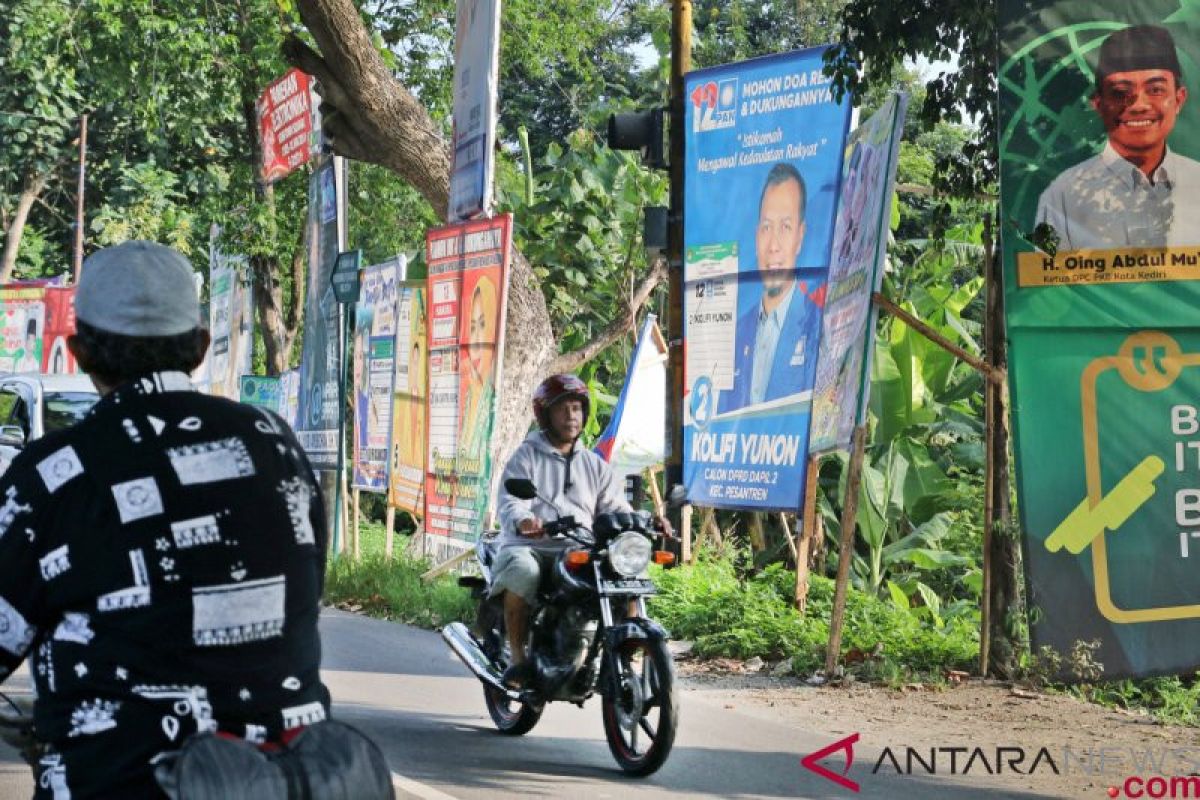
x=640 y=722
x=511 y=717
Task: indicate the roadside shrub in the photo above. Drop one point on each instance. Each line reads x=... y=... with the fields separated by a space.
x=724 y=617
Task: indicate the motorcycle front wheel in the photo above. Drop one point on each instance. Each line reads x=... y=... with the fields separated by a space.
x=640 y=721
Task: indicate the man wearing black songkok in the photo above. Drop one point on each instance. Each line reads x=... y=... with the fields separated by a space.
x=1137 y=192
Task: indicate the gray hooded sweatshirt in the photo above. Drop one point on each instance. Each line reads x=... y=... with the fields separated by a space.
x=592 y=489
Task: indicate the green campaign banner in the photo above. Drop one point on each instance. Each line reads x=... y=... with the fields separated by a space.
x=262 y=390
x=1100 y=210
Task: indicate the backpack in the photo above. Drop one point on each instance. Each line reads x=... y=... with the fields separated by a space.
x=328 y=760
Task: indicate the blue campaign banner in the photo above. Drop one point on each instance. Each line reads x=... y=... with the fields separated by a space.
x=764 y=141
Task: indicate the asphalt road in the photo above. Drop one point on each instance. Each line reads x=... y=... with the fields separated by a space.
x=406 y=689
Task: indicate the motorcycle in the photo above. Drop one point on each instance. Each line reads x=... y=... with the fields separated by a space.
x=589 y=634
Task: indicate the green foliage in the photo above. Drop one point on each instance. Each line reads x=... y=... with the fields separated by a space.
x=726 y=616
x=736 y=30
x=582 y=234
x=145 y=204
x=40 y=95
x=876 y=38
x=393 y=589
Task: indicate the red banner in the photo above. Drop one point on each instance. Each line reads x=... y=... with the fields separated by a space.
x=60 y=323
x=467 y=285
x=285 y=125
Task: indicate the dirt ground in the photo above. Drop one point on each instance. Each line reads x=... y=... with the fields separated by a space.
x=1093 y=748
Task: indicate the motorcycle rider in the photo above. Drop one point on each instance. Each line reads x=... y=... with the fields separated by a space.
x=575 y=480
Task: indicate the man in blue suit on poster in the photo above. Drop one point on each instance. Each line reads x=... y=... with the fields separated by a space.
x=775 y=352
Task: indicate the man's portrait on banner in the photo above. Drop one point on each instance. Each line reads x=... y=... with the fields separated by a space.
x=1137 y=192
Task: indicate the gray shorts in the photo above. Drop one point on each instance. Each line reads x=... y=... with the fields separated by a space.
x=519 y=569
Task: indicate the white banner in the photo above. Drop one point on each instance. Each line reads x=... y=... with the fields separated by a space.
x=476 y=85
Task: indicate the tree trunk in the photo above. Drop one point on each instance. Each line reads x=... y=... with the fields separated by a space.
x=34 y=184
x=1004 y=599
x=264 y=269
x=370 y=116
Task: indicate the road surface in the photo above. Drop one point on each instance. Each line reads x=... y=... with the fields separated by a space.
x=404 y=687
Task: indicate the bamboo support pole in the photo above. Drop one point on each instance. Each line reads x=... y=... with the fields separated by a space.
x=389 y=532
x=845 y=548
x=806 y=530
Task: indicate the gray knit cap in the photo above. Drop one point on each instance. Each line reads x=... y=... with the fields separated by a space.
x=138 y=289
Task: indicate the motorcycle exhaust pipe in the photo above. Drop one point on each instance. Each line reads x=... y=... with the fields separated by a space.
x=465 y=647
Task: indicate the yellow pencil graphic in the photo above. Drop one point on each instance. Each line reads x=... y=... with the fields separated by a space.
x=1086 y=522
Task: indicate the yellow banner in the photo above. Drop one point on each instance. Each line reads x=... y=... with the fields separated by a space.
x=1095 y=267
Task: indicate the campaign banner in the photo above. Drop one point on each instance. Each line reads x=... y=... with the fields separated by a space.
x=636 y=434
x=764 y=141
x=60 y=324
x=1101 y=249
x=289 y=390
x=407 y=487
x=860 y=236
x=373 y=374
x=231 y=324
x=476 y=86
x=467 y=286
x=263 y=391
x=317 y=414
x=22 y=321
x=286 y=129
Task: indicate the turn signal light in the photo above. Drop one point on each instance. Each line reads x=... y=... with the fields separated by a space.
x=664 y=557
x=578 y=558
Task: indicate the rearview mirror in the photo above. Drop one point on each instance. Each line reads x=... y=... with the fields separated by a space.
x=12 y=436
x=521 y=488
x=677 y=496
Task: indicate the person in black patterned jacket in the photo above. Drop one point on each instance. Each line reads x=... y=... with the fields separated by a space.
x=162 y=561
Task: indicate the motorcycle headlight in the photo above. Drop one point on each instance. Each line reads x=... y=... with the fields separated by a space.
x=629 y=554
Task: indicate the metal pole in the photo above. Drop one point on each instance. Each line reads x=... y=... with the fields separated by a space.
x=681 y=63
x=83 y=121
x=344 y=335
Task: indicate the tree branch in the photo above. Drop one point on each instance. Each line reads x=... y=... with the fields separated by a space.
x=569 y=362
x=369 y=115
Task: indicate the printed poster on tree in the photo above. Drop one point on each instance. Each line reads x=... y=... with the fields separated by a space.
x=373 y=372
x=407 y=489
x=476 y=87
x=22 y=321
x=1100 y=210
x=35 y=320
x=317 y=415
x=287 y=127
x=231 y=324
x=468 y=281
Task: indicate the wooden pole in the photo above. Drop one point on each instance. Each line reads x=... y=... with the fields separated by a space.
x=845 y=548
x=685 y=524
x=806 y=530
x=343 y=513
x=754 y=528
x=83 y=123
x=681 y=64
x=390 y=531
x=354 y=524
x=992 y=374
x=787 y=536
